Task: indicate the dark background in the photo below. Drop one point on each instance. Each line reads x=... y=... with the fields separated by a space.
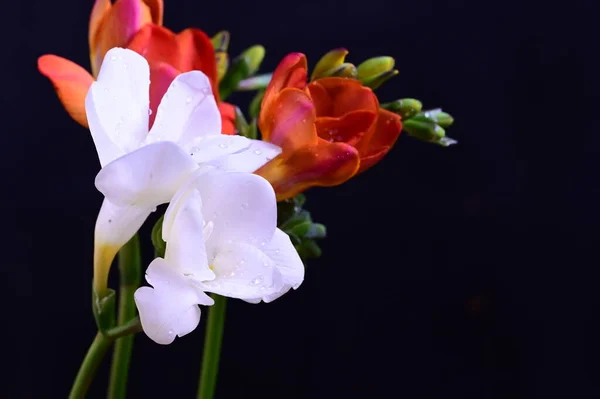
x=462 y=272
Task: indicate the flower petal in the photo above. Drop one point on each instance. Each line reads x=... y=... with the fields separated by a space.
x=156 y=44
x=117 y=103
x=242 y=271
x=349 y=129
x=156 y=10
x=386 y=132
x=227 y=118
x=170 y=308
x=209 y=148
x=161 y=77
x=288 y=264
x=290 y=122
x=344 y=96
x=99 y=11
x=115 y=226
x=147 y=177
x=324 y=164
x=118 y=27
x=250 y=159
x=291 y=72
x=186 y=247
x=241 y=206
x=196 y=53
x=187 y=111
x=71 y=83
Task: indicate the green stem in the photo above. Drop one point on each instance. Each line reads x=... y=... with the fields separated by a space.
x=129 y=280
x=212 y=348
x=88 y=367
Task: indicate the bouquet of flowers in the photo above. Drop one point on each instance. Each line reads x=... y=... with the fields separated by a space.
x=235 y=225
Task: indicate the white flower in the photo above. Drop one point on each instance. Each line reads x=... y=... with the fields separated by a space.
x=221 y=235
x=142 y=169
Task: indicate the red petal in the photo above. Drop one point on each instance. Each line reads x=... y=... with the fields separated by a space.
x=342 y=96
x=157 y=45
x=323 y=164
x=227 y=118
x=161 y=76
x=348 y=129
x=196 y=53
x=386 y=132
x=71 y=83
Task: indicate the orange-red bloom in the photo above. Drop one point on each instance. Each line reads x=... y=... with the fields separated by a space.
x=329 y=129
x=134 y=24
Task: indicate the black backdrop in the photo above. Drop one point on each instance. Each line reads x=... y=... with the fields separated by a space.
x=466 y=272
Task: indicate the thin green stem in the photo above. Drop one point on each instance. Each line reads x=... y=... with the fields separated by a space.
x=212 y=348
x=129 y=280
x=90 y=364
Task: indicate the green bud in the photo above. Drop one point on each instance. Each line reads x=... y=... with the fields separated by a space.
x=257 y=82
x=426 y=130
x=254 y=108
x=104 y=310
x=241 y=124
x=220 y=41
x=437 y=116
x=253 y=130
x=405 y=107
x=374 y=82
x=345 y=70
x=329 y=61
x=156 y=236
x=299 y=200
x=253 y=56
x=316 y=230
x=222 y=60
x=374 y=67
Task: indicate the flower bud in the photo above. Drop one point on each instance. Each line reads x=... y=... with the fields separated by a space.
x=220 y=41
x=345 y=70
x=441 y=118
x=426 y=130
x=329 y=61
x=257 y=82
x=375 y=66
x=405 y=107
x=253 y=57
x=374 y=82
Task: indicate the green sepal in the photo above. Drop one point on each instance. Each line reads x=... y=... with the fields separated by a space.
x=104 y=310
x=240 y=123
x=308 y=249
x=159 y=244
x=253 y=130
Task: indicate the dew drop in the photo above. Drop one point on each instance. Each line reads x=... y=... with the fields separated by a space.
x=232 y=274
x=113 y=57
x=257 y=152
x=188 y=100
x=149 y=112
x=106 y=90
x=245 y=205
x=223 y=145
x=257 y=280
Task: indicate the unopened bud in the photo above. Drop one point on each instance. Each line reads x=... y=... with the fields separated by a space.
x=329 y=61
x=405 y=107
x=220 y=41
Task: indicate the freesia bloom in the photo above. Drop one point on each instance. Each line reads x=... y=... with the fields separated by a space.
x=134 y=24
x=221 y=237
x=329 y=129
x=142 y=169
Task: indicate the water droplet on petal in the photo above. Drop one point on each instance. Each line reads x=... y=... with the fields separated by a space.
x=257 y=280
x=106 y=90
x=245 y=205
x=188 y=100
x=257 y=152
x=149 y=112
x=113 y=57
x=223 y=145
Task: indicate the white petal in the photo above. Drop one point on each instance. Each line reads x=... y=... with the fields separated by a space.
x=147 y=177
x=287 y=261
x=209 y=148
x=241 y=206
x=186 y=247
x=117 y=104
x=187 y=110
x=243 y=271
x=169 y=309
x=253 y=157
x=117 y=224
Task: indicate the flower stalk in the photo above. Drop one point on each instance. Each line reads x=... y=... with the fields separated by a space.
x=89 y=366
x=129 y=281
x=212 y=348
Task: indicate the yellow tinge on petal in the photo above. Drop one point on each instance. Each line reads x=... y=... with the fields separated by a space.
x=104 y=255
x=331 y=60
